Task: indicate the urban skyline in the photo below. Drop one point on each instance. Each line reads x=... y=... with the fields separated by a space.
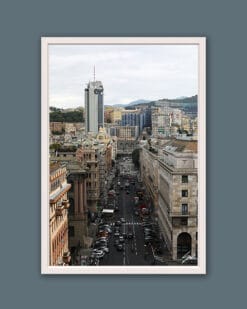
x=129 y=72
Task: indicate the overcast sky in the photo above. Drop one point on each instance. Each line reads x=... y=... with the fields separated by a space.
x=128 y=72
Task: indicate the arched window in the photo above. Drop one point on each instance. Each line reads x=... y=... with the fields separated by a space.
x=183 y=244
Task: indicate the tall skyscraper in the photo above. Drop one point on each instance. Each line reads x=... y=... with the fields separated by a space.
x=94 y=106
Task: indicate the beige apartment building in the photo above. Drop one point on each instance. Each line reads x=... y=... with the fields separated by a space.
x=170 y=175
x=178 y=197
x=116 y=115
x=105 y=157
x=107 y=114
x=57 y=127
x=58 y=214
x=149 y=174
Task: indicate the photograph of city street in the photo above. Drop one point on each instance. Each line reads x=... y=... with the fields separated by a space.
x=123 y=155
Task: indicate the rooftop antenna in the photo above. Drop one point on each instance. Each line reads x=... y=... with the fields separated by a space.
x=94 y=73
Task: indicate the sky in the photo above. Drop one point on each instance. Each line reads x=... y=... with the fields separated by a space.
x=127 y=72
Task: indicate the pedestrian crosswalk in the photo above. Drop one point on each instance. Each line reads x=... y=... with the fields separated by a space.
x=127 y=223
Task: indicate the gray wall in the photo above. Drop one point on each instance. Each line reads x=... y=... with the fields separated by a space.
x=21 y=25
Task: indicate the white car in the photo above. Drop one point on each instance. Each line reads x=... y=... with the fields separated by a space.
x=98 y=253
x=105 y=249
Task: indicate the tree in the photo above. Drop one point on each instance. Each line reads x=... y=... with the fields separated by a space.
x=55 y=146
x=70 y=116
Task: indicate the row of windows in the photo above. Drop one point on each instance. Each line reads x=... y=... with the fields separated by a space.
x=57 y=182
x=65 y=155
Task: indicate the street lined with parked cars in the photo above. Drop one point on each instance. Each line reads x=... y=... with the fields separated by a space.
x=129 y=236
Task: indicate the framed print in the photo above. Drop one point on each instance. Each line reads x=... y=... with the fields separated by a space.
x=123 y=155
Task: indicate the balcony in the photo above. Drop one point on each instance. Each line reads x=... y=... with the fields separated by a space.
x=65 y=203
x=59 y=211
x=183 y=214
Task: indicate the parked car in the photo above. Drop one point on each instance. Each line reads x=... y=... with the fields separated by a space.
x=121 y=239
x=102 y=234
x=130 y=235
x=119 y=247
x=116 y=242
x=101 y=242
x=102 y=238
x=105 y=229
x=97 y=253
x=125 y=235
x=122 y=220
x=105 y=249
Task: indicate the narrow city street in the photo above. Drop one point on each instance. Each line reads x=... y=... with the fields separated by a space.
x=127 y=222
x=133 y=249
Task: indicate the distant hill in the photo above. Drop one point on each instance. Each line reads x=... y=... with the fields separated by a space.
x=115 y=105
x=137 y=102
x=192 y=99
x=187 y=104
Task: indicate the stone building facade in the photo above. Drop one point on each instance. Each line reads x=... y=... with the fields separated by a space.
x=58 y=213
x=116 y=115
x=170 y=175
x=149 y=174
x=178 y=197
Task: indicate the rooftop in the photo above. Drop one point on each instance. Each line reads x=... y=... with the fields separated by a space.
x=175 y=145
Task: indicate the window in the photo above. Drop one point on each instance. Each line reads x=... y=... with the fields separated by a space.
x=184 y=178
x=184 y=193
x=184 y=209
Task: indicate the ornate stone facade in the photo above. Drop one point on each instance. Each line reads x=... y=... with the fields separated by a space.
x=172 y=169
x=58 y=213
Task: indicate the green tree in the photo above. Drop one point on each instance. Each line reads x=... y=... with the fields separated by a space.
x=71 y=116
x=55 y=146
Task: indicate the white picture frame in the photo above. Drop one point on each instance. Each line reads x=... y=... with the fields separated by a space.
x=199 y=269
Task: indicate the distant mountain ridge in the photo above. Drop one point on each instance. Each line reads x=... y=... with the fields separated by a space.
x=187 y=104
x=137 y=102
x=192 y=99
x=143 y=102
